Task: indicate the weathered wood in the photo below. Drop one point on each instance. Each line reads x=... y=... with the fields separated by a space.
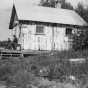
x=53 y=38
x=6 y=53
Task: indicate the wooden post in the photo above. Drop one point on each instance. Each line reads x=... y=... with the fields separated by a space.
x=20 y=36
x=52 y=38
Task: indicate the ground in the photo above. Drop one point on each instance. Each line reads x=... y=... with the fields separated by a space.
x=25 y=72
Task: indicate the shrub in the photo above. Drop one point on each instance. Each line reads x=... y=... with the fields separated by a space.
x=25 y=71
x=80 y=39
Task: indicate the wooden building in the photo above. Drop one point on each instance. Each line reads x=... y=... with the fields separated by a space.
x=44 y=28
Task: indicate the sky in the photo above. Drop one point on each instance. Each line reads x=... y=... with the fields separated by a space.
x=75 y=2
x=5 y=14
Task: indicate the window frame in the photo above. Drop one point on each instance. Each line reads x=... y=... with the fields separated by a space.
x=68 y=31
x=39 y=30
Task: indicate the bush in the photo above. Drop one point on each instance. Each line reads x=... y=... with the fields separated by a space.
x=16 y=72
x=2 y=43
x=80 y=39
x=25 y=71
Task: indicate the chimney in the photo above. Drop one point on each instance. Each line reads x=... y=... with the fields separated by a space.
x=58 y=4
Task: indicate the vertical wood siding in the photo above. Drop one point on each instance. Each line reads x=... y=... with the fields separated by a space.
x=54 y=38
x=16 y=31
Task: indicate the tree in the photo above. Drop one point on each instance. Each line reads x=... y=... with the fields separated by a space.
x=47 y=3
x=80 y=40
x=66 y=5
x=82 y=11
x=51 y=3
x=86 y=15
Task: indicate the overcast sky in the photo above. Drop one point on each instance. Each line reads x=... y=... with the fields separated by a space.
x=5 y=13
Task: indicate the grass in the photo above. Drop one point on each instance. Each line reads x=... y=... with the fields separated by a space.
x=23 y=72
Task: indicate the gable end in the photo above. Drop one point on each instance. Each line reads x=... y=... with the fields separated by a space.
x=12 y=18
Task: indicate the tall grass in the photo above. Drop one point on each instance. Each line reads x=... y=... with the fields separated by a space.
x=25 y=71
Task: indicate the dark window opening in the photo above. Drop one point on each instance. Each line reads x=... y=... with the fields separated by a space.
x=39 y=29
x=68 y=31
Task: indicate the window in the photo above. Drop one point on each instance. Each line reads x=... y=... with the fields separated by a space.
x=39 y=29
x=68 y=31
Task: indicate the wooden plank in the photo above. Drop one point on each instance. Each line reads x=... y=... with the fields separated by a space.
x=8 y=50
x=6 y=53
x=23 y=51
x=34 y=51
x=10 y=54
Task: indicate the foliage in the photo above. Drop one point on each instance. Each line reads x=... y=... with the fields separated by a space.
x=66 y=5
x=51 y=3
x=2 y=43
x=47 y=3
x=16 y=72
x=82 y=11
x=21 y=72
x=80 y=40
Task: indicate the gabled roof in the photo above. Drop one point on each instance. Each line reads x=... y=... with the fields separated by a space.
x=47 y=14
